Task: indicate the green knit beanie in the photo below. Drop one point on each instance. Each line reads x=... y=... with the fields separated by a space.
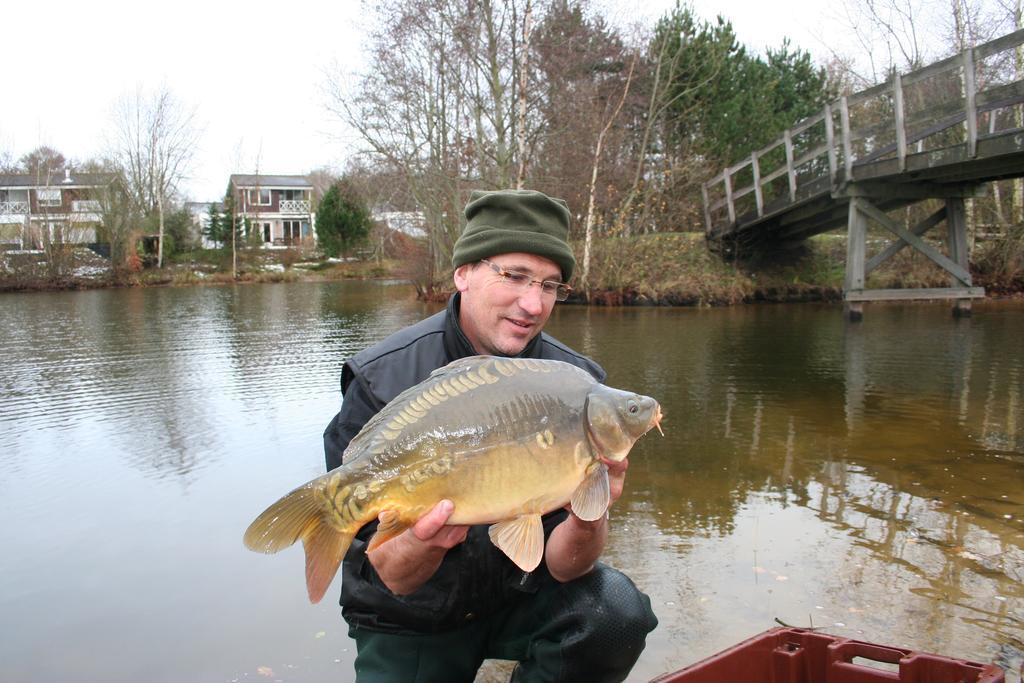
x=509 y=221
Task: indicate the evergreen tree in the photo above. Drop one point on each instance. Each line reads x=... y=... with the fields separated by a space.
x=342 y=221
x=215 y=229
x=726 y=101
x=228 y=221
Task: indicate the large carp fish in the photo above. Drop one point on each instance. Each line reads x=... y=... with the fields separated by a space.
x=506 y=440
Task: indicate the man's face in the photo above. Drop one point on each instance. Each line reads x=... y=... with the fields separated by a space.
x=499 y=319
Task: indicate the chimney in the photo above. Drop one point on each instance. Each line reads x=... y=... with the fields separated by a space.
x=67 y=176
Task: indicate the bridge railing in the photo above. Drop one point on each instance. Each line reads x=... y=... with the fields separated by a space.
x=956 y=101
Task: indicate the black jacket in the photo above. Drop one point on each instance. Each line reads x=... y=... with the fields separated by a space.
x=475 y=579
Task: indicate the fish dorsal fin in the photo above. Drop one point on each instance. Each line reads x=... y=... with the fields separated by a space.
x=591 y=497
x=415 y=402
x=522 y=539
x=391 y=524
x=462 y=364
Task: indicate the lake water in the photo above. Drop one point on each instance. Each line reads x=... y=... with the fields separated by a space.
x=864 y=478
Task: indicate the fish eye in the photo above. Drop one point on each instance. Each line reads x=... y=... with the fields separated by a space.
x=633 y=407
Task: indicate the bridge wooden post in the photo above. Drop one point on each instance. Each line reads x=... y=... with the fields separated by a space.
x=901 y=128
x=844 y=122
x=970 y=104
x=790 y=170
x=728 y=196
x=707 y=208
x=830 y=140
x=856 y=246
x=956 y=226
x=755 y=166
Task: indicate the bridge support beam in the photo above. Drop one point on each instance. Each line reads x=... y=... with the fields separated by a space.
x=856 y=249
x=956 y=225
x=858 y=267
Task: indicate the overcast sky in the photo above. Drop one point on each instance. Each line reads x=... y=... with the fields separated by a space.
x=254 y=71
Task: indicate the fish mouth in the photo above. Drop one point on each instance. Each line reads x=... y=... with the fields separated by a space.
x=656 y=420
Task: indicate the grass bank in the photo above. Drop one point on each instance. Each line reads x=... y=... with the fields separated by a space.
x=678 y=269
x=82 y=269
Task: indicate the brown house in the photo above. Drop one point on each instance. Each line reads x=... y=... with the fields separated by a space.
x=279 y=208
x=62 y=207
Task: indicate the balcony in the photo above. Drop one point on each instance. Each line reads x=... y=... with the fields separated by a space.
x=294 y=206
x=15 y=208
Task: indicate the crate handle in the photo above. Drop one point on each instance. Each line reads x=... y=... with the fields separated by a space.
x=842 y=668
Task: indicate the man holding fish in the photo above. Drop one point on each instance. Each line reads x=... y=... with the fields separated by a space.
x=429 y=450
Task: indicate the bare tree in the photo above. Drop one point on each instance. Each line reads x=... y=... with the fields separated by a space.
x=50 y=227
x=155 y=138
x=524 y=77
x=43 y=161
x=589 y=221
x=120 y=217
x=438 y=104
x=7 y=164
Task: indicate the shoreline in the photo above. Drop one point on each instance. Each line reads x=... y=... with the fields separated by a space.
x=772 y=294
x=660 y=269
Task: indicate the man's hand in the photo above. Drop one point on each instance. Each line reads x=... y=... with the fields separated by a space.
x=574 y=545
x=407 y=561
x=616 y=476
x=431 y=528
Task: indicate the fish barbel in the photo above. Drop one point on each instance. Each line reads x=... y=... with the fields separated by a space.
x=507 y=440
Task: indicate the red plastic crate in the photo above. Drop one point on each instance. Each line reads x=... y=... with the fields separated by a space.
x=793 y=655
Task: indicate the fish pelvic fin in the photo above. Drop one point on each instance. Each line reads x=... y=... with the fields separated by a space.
x=300 y=515
x=592 y=496
x=390 y=525
x=522 y=539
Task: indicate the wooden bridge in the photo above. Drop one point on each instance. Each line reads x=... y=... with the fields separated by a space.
x=938 y=133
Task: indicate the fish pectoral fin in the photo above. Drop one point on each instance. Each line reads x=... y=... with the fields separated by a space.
x=324 y=546
x=390 y=525
x=591 y=497
x=522 y=539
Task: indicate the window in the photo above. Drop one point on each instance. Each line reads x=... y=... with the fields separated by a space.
x=259 y=197
x=266 y=232
x=291 y=230
x=49 y=196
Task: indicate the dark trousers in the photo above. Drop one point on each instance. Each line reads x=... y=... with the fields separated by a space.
x=592 y=629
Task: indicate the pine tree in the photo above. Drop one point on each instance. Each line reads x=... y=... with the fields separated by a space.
x=727 y=101
x=214 y=231
x=342 y=221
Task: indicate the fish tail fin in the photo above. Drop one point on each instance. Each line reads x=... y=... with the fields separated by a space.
x=299 y=515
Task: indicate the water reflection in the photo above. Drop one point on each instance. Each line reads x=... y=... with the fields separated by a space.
x=863 y=450
x=863 y=478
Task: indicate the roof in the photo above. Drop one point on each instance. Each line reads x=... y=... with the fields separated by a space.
x=244 y=180
x=203 y=206
x=406 y=222
x=56 y=180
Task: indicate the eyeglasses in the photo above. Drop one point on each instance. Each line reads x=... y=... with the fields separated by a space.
x=522 y=281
